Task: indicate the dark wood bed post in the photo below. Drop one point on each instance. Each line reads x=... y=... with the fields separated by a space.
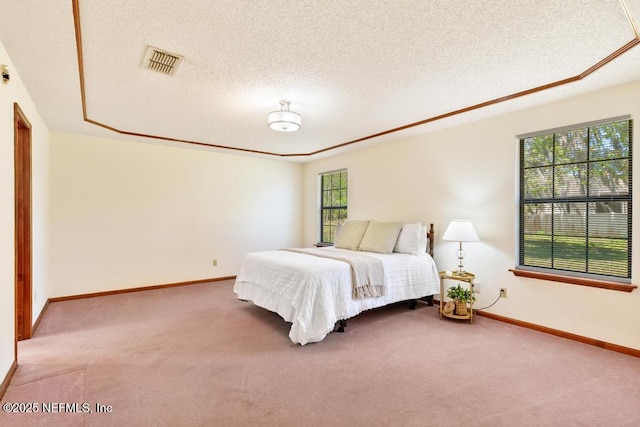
x=431 y=236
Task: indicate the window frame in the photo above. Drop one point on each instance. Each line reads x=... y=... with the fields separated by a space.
x=341 y=217
x=563 y=275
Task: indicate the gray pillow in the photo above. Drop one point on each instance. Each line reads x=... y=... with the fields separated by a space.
x=381 y=237
x=351 y=234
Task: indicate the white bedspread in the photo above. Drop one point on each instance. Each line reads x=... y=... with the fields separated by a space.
x=314 y=292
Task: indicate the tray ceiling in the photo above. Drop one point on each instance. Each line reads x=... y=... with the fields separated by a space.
x=358 y=72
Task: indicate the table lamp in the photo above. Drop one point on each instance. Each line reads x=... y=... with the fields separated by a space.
x=460 y=230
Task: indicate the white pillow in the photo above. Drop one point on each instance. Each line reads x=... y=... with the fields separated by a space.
x=351 y=234
x=338 y=229
x=380 y=237
x=422 y=249
x=410 y=239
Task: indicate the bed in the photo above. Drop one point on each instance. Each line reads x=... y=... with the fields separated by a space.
x=316 y=288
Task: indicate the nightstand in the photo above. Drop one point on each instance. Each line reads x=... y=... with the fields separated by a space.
x=468 y=278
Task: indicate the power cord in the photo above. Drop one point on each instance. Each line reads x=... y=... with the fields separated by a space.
x=483 y=308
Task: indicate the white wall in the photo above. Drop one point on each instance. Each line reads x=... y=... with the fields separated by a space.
x=471 y=172
x=10 y=93
x=130 y=214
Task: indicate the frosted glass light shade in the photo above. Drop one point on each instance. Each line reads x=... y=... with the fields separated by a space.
x=284 y=121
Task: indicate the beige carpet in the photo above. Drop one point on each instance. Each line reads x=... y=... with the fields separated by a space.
x=196 y=356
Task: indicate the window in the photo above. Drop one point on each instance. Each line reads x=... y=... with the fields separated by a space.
x=575 y=200
x=333 y=203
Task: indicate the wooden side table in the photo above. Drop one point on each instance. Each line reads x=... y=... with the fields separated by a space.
x=452 y=275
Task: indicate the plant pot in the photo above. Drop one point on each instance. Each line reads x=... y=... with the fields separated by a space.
x=461 y=308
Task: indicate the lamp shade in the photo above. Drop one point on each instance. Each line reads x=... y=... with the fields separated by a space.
x=460 y=230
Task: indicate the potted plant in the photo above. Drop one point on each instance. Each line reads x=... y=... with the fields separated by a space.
x=461 y=296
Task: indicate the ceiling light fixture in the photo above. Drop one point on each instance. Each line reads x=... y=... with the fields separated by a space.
x=284 y=120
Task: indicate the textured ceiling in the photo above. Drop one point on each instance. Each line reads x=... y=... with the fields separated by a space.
x=352 y=69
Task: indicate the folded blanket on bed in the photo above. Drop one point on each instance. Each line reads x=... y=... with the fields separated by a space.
x=367 y=272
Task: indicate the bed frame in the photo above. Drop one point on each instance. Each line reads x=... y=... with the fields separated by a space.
x=341 y=324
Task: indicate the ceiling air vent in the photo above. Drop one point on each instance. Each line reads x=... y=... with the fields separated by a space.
x=161 y=61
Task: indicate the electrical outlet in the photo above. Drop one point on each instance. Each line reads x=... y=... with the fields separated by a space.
x=215 y=263
x=477 y=287
x=503 y=292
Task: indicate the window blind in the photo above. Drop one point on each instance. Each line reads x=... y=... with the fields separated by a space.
x=333 y=205
x=575 y=199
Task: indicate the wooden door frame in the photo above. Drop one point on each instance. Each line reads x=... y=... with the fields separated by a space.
x=23 y=220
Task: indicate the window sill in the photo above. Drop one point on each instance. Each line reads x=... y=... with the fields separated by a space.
x=604 y=284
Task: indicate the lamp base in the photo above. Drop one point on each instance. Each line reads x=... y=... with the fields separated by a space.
x=460 y=254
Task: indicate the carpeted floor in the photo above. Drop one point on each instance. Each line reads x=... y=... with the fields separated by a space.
x=196 y=356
